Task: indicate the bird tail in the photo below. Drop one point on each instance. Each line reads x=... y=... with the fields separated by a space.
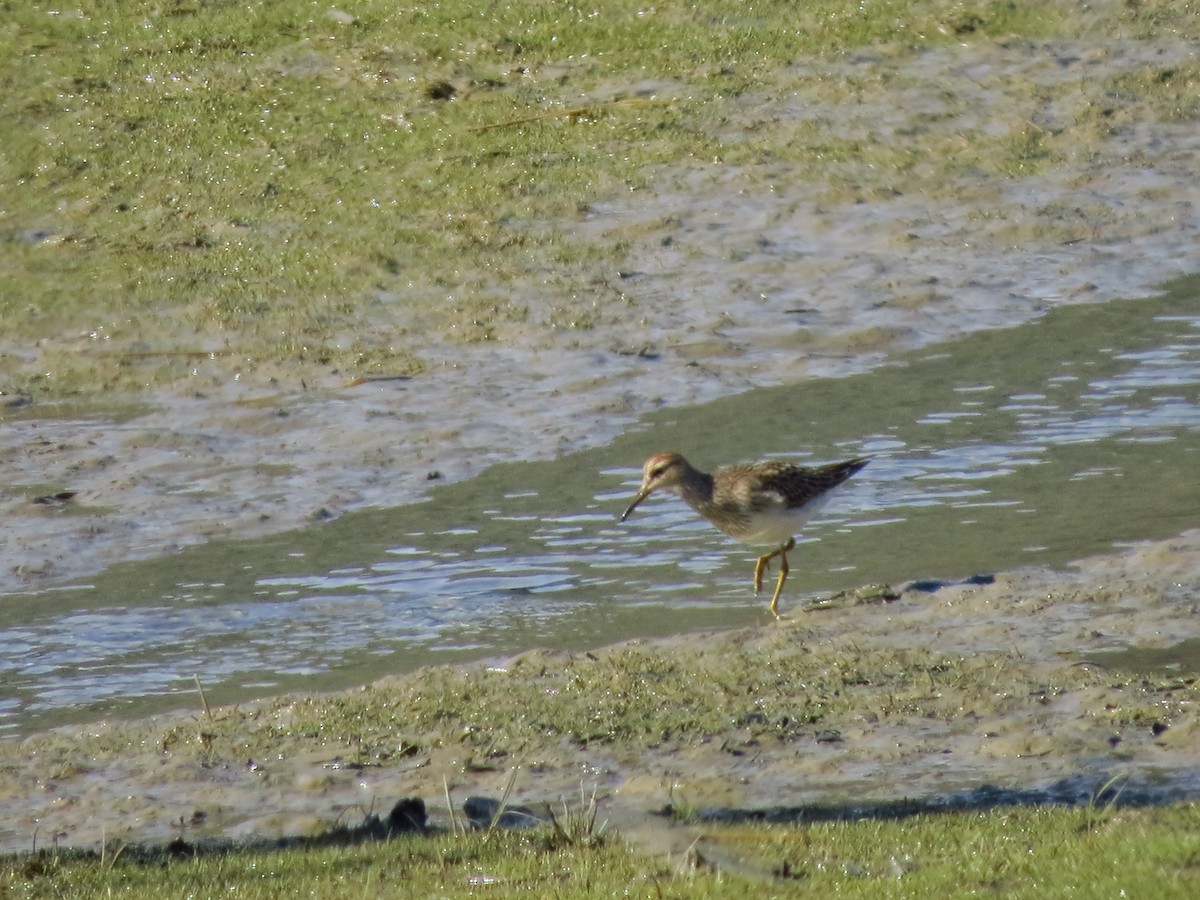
x=839 y=471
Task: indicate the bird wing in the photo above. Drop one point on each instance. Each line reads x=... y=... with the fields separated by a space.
x=756 y=487
x=800 y=485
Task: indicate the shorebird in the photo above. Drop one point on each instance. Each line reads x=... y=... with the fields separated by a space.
x=761 y=504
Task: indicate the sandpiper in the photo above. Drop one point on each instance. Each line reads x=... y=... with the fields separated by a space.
x=762 y=503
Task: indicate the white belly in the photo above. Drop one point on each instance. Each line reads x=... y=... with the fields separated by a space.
x=773 y=527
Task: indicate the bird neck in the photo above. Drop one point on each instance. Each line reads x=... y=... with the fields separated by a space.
x=696 y=488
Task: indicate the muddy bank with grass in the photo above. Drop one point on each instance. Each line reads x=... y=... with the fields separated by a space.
x=870 y=696
x=547 y=245
x=396 y=262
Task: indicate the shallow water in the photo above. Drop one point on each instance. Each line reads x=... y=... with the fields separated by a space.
x=1032 y=445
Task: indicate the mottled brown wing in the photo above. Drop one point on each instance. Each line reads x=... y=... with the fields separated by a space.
x=799 y=485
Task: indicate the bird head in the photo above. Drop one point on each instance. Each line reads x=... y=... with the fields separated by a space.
x=662 y=470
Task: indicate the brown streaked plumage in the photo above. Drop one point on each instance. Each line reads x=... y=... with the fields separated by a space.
x=757 y=503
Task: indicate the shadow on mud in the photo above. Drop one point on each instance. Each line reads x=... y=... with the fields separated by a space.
x=1101 y=791
x=408 y=817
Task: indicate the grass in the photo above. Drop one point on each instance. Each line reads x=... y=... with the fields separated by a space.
x=765 y=697
x=1034 y=852
x=646 y=698
x=439 y=865
x=192 y=192
x=1041 y=851
x=758 y=697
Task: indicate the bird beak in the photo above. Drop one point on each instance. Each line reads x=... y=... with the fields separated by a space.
x=641 y=495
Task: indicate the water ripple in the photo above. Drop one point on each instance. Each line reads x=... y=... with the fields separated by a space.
x=520 y=566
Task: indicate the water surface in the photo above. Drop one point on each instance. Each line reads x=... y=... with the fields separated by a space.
x=1033 y=445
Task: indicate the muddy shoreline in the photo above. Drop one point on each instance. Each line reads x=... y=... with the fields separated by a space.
x=735 y=277
x=1013 y=702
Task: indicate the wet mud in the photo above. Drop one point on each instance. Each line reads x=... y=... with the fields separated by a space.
x=1015 y=708
x=736 y=276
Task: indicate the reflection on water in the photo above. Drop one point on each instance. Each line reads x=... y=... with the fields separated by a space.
x=1034 y=445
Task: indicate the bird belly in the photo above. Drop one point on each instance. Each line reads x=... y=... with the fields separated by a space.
x=774 y=526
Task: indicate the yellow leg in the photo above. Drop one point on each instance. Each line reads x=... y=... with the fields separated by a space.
x=759 y=567
x=783 y=573
x=764 y=563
